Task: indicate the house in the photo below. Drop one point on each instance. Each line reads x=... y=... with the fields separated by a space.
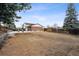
x=33 y=27
x=37 y=27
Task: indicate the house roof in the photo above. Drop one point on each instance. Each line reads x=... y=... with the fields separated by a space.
x=34 y=25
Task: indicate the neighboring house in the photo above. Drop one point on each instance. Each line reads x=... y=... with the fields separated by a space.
x=37 y=27
x=33 y=27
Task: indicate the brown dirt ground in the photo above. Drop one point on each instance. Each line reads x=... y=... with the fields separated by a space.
x=41 y=44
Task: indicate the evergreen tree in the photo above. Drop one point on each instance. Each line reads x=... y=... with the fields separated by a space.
x=8 y=12
x=71 y=22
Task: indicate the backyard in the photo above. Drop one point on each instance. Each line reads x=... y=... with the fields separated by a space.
x=41 y=44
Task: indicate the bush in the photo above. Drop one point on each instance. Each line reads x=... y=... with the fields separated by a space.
x=74 y=31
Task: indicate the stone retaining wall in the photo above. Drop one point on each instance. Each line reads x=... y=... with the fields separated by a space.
x=3 y=37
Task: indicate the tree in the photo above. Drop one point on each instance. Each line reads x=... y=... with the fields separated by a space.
x=71 y=23
x=8 y=11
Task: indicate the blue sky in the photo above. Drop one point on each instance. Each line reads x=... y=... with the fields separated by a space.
x=45 y=14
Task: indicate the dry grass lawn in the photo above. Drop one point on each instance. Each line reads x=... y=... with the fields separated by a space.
x=41 y=44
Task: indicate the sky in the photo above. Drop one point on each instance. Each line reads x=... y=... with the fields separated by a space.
x=46 y=14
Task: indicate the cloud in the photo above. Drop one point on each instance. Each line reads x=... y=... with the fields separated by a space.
x=40 y=18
